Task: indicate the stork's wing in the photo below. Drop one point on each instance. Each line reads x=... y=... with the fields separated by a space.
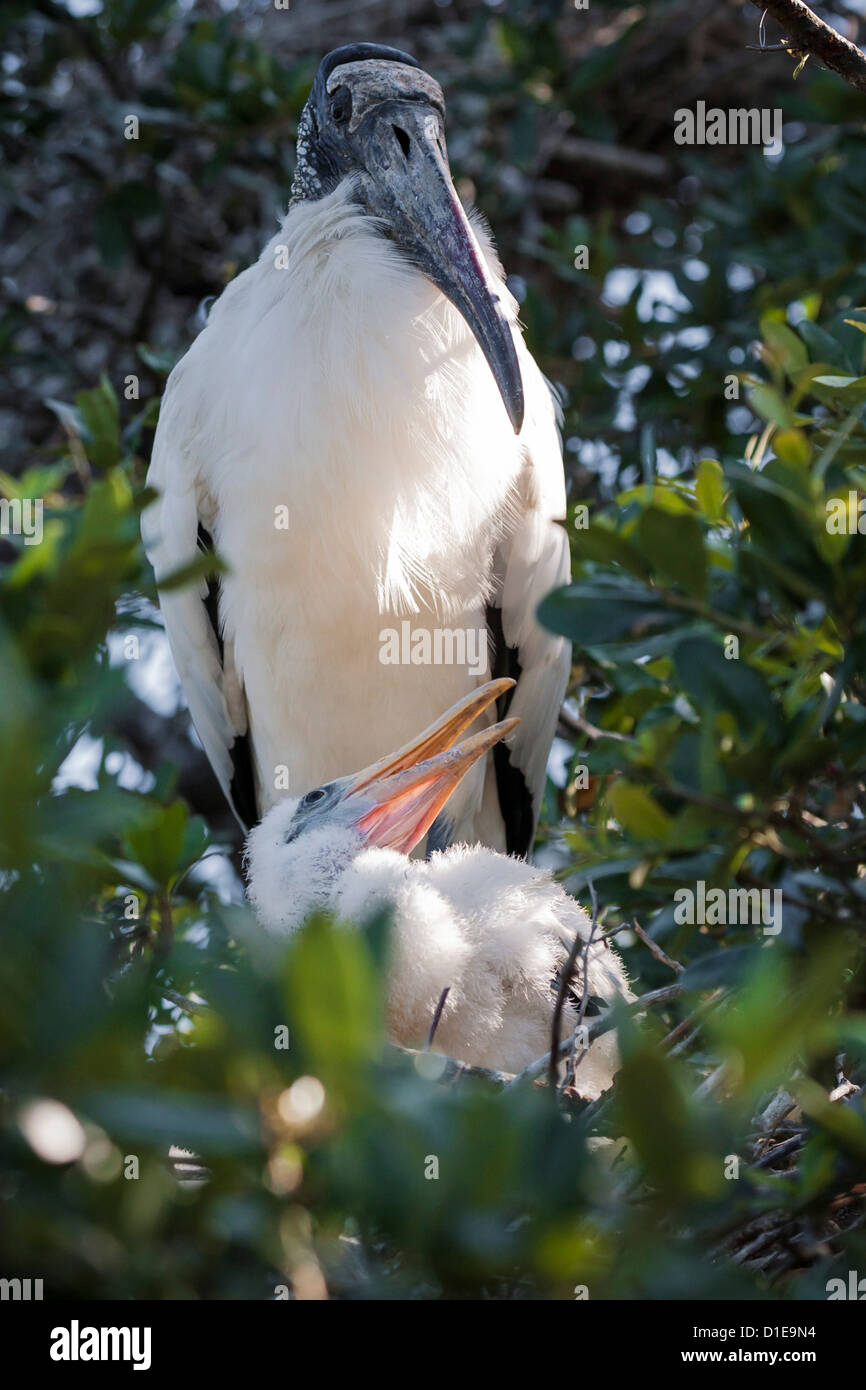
x=534 y=560
x=174 y=533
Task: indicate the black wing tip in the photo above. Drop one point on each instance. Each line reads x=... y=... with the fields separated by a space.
x=242 y=789
x=515 y=799
x=515 y=803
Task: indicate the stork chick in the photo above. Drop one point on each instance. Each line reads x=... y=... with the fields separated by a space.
x=490 y=928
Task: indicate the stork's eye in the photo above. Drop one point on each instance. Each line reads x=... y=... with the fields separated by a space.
x=312 y=797
x=340 y=108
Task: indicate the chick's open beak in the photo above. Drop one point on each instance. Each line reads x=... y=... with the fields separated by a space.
x=400 y=796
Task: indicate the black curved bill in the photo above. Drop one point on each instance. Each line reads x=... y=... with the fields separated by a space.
x=412 y=190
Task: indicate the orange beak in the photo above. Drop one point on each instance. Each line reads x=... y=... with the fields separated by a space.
x=403 y=794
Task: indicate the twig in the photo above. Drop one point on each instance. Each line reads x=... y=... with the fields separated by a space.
x=564 y=984
x=806 y=34
x=448 y=1068
x=789 y=1146
x=690 y=1026
x=182 y=1001
x=599 y=1026
x=574 y=1063
x=656 y=950
x=578 y=725
x=437 y=1014
x=760 y=1242
x=712 y=1082
x=565 y=977
x=843 y=1090
x=772 y=1116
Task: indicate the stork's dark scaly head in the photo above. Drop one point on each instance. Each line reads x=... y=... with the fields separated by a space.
x=374 y=115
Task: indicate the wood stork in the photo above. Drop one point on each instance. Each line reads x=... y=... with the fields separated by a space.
x=491 y=928
x=362 y=434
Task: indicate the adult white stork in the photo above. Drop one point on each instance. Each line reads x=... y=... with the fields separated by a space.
x=362 y=434
x=490 y=928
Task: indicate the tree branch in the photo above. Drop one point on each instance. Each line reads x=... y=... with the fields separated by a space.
x=807 y=34
x=597 y=1028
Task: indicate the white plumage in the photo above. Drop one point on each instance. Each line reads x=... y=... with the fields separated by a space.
x=492 y=929
x=335 y=385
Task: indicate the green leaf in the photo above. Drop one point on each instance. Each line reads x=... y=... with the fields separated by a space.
x=845 y=389
x=595 y=613
x=600 y=542
x=724 y=967
x=715 y=683
x=822 y=346
x=839 y=382
x=333 y=995
x=204 y=565
x=785 y=346
x=674 y=544
x=158 y=845
x=766 y=402
x=710 y=490
x=638 y=812
x=100 y=418
x=203 y=1124
x=160 y=362
x=652 y=1111
x=792 y=446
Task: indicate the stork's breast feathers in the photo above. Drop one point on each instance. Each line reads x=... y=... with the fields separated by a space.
x=336 y=389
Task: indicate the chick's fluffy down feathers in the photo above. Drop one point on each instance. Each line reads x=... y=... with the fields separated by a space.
x=493 y=929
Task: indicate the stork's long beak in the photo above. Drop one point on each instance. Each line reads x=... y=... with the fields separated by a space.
x=411 y=190
x=400 y=797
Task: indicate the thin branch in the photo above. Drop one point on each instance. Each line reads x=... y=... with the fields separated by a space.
x=656 y=949
x=184 y=1003
x=599 y=1026
x=789 y=1146
x=437 y=1015
x=760 y=1242
x=712 y=1082
x=578 y=725
x=806 y=34
x=566 y=975
x=453 y=1070
x=680 y=1038
x=449 y=1069
x=573 y=1061
x=564 y=984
